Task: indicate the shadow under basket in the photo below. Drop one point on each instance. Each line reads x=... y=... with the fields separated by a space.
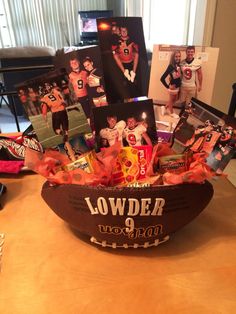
x=128 y=217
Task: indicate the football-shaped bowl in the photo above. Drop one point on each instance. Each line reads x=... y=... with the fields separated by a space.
x=128 y=217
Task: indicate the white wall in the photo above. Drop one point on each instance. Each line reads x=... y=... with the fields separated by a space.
x=224 y=37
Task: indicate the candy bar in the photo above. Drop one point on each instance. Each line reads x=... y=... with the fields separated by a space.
x=84 y=162
x=173 y=163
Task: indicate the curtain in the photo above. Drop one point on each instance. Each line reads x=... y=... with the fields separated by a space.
x=55 y=22
x=178 y=22
x=46 y=22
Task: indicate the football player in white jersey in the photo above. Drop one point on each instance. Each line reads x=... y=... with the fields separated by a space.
x=114 y=131
x=135 y=133
x=191 y=76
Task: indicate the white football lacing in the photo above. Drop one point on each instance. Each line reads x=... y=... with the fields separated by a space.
x=114 y=245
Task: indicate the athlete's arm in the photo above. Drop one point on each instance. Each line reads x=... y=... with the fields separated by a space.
x=72 y=91
x=144 y=123
x=200 y=78
x=147 y=138
x=136 y=57
x=118 y=62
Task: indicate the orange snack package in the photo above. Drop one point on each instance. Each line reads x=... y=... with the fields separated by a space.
x=131 y=164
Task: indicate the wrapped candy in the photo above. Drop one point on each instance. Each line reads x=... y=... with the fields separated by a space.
x=54 y=166
x=117 y=166
x=198 y=172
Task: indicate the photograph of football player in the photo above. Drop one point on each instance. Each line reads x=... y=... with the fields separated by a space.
x=125 y=53
x=131 y=124
x=135 y=133
x=53 y=101
x=78 y=80
x=224 y=150
x=95 y=83
x=196 y=142
x=124 y=57
x=58 y=120
x=192 y=76
x=113 y=132
x=179 y=73
x=198 y=129
x=86 y=79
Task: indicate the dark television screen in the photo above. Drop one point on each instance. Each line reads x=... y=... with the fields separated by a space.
x=88 y=24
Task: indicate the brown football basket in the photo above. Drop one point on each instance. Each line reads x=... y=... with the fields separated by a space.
x=128 y=217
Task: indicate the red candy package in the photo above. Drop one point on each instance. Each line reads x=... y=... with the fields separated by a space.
x=131 y=164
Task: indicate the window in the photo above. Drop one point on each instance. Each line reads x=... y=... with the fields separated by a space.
x=6 y=38
x=173 y=22
x=42 y=22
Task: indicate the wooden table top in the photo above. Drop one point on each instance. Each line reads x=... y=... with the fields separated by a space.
x=48 y=268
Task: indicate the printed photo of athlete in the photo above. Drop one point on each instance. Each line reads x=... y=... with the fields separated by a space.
x=125 y=53
x=53 y=101
x=129 y=123
x=113 y=133
x=78 y=80
x=198 y=129
x=201 y=133
x=124 y=56
x=224 y=150
x=86 y=80
x=135 y=133
x=178 y=74
x=192 y=77
x=58 y=121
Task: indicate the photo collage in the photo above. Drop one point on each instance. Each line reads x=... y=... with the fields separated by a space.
x=111 y=93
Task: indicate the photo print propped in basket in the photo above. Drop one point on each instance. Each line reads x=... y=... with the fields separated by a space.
x=51 y=109
x=179 y=73
x=204 y=129
x=84 y=69
x=124 y=57
x=133 y=124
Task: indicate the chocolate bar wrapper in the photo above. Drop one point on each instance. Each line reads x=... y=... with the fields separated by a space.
x=173 y=163
x=84 y=162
